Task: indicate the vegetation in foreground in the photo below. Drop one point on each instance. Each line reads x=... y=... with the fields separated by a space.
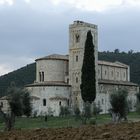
x=121 y=131
x=19 y=102
x=60 y=122
x=119 y=105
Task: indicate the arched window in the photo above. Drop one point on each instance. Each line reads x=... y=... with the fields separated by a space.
x=44 y=102
x=42 y=76
x=1 y=104
x=105 y=72
x=76 y=58
x=68 y=81
x=77 y=38
x=102 y=101
x=76 y=79
x=60 y=103
x=68 y=102
x=40 y=79
x=117 y=74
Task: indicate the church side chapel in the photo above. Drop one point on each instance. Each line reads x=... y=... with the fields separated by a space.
x=58 y=77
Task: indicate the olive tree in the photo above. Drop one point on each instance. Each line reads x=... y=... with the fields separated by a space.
x=119 y=105
x=19 y=102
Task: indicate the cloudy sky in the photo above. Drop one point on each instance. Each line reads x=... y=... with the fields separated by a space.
x=33 y=28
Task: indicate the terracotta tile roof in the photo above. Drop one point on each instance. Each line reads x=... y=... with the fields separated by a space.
x=54 y=57
x=50 y=83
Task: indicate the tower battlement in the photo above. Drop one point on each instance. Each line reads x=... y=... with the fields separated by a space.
x=83 y=24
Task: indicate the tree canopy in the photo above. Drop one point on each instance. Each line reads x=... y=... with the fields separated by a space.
x=19 y=102
x=119 y=103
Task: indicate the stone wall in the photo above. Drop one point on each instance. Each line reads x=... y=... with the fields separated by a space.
x=54 y=70
x=4 y=103
x=112 y=71
x=105 y=90
x=55 y=97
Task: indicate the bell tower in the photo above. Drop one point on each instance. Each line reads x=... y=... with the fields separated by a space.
x=77 y=37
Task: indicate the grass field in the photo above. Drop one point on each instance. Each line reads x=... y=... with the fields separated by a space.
x=55 y=122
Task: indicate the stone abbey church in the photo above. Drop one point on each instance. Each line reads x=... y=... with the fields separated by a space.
x=58 y=77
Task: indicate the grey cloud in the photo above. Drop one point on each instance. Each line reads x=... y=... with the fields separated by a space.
x=31 y=33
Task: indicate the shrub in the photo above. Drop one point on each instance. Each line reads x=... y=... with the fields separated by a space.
x=77 y=113
x=50 y=111
x=35 y=114
x=119 y=104
x=46 y=118
x=96 y=110
x=86 y=114
x=92 y=121
x=138 y=102
x=64 y=111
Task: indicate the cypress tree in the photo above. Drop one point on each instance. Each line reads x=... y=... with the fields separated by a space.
x=88 y=78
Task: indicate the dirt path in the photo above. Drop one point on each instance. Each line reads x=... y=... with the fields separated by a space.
x=124 y=131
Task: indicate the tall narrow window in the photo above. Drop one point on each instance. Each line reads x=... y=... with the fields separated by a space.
x=112 y=73
x=68 y=81
x=76 y=58
x=40 y=79
x=117 y=74
x=1 y=104
x=42 y=76
x=105 y=72
x=77 y=38
x=60 y=103
x=44 y=102
x=102 y=101
x=68 y=102
x=76 y=79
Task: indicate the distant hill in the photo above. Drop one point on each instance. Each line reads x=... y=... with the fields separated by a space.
x=27 y=74
x=21 y=77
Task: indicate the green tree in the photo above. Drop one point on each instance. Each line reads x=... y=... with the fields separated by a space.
x=88 y=78
x=116 y=51
x=16 y=98
x=26 y=103
x=86 y=114
x=138 y=102
x=77 y=113
x=119 y=104
x=96 y=110
x=64 y=111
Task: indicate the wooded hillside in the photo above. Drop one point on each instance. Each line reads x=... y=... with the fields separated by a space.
x=21 y=77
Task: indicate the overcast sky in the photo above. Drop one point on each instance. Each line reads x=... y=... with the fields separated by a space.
x=34 y=28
